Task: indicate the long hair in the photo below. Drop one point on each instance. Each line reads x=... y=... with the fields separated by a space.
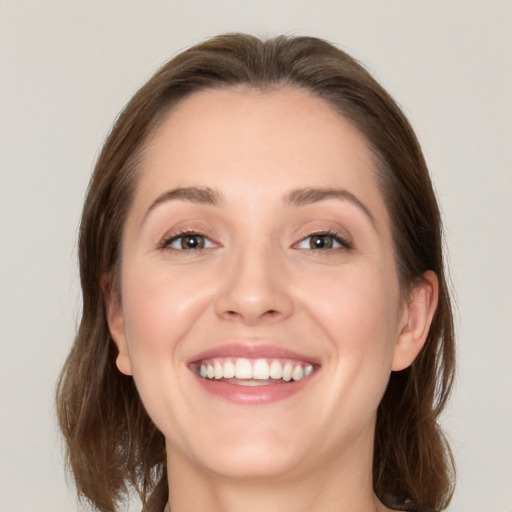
x=112 y=444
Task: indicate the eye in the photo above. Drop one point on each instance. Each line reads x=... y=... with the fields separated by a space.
x=187 y=242
x=323 y=242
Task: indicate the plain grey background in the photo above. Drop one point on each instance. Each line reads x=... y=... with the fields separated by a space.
x=67 y=68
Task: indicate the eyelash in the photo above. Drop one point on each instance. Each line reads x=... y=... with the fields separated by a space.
x=166 y=242
x=344 y=243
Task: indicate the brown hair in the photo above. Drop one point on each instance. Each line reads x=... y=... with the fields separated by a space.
x=112 y=444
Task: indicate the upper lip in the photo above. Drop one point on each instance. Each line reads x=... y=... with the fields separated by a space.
x=252 y=351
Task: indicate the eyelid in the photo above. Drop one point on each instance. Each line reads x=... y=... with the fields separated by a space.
x=165 y=243
x=344 y=241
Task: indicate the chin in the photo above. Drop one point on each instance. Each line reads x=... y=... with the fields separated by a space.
x=252 y=453
x=251 y=464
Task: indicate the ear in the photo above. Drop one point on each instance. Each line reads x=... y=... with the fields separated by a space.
x=115 y=320
x=416 y=319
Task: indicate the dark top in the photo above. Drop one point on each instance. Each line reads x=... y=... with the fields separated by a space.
x=402 y=504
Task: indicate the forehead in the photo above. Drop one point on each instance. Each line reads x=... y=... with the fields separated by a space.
x=264 y=119
x=278 y=127
x=254 y=147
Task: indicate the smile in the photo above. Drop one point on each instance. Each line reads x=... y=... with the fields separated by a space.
x=254 y=372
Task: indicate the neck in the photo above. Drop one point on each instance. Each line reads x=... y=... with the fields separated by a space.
x=335 y=486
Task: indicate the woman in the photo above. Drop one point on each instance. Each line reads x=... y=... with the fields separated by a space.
x=266 y=322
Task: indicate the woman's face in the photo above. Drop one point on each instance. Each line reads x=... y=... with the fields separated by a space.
x=258 y=244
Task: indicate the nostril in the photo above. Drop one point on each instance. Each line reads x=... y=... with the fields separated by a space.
x=270 y=313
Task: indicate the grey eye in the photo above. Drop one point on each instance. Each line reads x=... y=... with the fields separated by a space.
x=319 y=242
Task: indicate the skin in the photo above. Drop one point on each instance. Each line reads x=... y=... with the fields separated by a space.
x=258 y=281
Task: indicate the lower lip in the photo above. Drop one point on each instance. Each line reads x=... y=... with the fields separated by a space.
x=256 y=395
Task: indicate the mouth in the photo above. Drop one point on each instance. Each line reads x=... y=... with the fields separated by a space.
x=241 y=371
x=246 y=374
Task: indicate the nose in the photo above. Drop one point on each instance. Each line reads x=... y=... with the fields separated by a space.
x=255 y=289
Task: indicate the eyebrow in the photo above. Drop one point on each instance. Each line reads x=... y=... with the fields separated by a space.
x=199 y=195
x=296 y=197
x=304 y=196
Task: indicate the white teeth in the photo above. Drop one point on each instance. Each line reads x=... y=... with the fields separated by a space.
x=260 y=370
x=250 y=382
x=229 y=370
x=297 y=373
x=219 y=371
x=276 y=370
x=287 y=372
x=254 y=372
x=243 y=369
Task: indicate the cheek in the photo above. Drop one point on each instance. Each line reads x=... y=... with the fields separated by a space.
x=160 y=308
x=357 y=308
x=160 y=311
x=354 y=313
x=358 y=295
